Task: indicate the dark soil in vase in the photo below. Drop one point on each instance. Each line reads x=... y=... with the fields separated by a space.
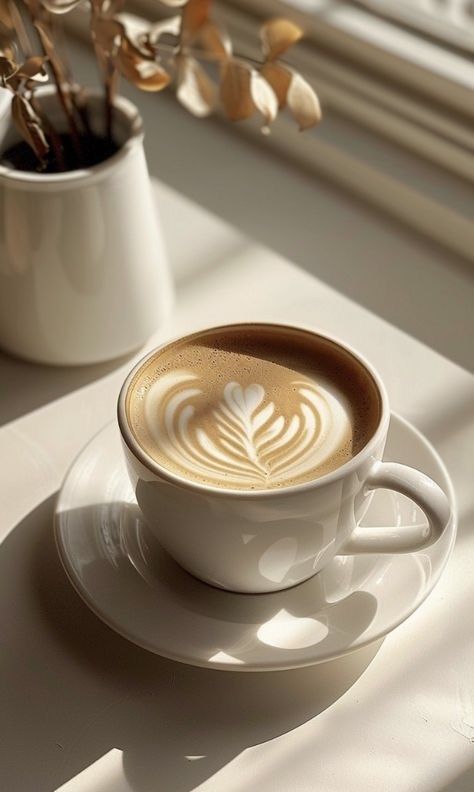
x=93 y=150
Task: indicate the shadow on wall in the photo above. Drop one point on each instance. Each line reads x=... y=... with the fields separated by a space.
x=80 y=690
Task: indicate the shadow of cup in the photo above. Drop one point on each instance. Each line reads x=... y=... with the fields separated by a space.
x=271 y=630
x=103 y=692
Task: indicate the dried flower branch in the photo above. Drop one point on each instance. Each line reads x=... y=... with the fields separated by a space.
x=20 y=78
x=187 y=50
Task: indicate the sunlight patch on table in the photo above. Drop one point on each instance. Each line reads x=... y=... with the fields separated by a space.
x=223 y=657
x=286 y=631
x=104 y=775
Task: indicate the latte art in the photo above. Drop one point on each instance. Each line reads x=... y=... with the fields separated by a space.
x=252 y=407
x=253 y=442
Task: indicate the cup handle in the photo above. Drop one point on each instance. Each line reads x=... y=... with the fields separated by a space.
x=406 y=538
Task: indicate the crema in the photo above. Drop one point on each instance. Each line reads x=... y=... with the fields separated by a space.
x=252 y=407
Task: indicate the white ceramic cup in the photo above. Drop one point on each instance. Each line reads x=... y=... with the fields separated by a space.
x=266 y=540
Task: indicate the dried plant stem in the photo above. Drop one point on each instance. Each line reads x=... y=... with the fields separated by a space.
x=111 y=85
x=69 y=113
x=81 y=109
x=20 y=29
x=35 y=13
x=199 y=54
x=51 y=133
x=107 y=71
x=67 y=106
x=68 y=79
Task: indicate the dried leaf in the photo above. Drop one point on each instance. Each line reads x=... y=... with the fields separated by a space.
x=7 y=68
x=148 y=76
x=196 y=92
x=135 y=30
x=33 y=69
x=59 y=6
x=277 y=35
x=303 y=102
x=8 y=51
x=143 y=73
x=264 y=98
x=235 y=92
x=29 y=125
x=195 y=15
x=279 y=78
x=170 y=26
x=213 y=40
x=139 y=48
x=51 y=51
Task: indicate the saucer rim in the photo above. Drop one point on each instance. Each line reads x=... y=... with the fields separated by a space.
x=262 y=665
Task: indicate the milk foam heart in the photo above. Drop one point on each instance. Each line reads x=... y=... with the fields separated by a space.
x=253 y=442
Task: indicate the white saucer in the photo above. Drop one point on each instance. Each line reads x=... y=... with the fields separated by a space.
x=121 y=572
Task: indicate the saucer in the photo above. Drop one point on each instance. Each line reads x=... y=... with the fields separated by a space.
x=120 y=571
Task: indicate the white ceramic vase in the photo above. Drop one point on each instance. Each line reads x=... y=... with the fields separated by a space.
x=83 y=271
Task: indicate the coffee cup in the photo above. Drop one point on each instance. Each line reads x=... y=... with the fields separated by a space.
x=254 y=451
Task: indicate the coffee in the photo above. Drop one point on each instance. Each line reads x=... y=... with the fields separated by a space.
x=251 y=407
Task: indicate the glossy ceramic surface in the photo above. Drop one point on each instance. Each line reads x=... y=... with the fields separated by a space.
x=121 y=572
x=83 y=270
x=260 y=541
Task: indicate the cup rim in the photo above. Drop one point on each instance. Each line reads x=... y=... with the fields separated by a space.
x=227 y=492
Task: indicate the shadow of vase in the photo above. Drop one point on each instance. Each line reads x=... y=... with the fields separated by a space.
x=27 y=386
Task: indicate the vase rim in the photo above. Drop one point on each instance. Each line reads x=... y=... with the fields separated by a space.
x=126 y=109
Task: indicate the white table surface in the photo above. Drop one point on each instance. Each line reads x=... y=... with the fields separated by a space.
x=85 y=711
